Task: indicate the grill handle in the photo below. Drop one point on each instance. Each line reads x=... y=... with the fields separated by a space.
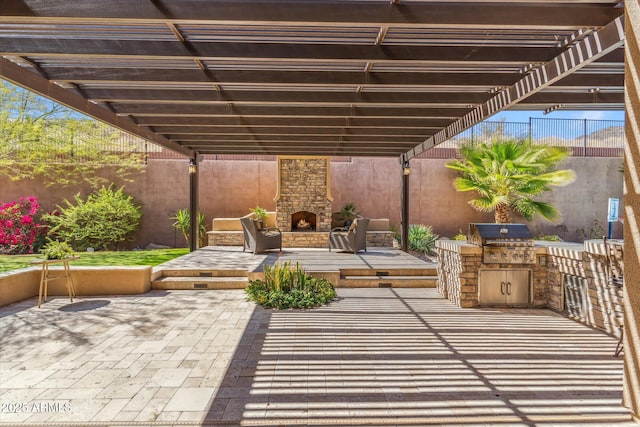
x=508 y=288
x=502 y=287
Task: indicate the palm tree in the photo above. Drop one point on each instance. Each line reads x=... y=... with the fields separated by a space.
x=509 y=174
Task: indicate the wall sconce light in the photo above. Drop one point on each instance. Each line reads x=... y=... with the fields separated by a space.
x=406 y=169
x=193 y=168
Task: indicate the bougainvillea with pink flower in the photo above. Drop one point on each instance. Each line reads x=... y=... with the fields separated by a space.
x=20 y=231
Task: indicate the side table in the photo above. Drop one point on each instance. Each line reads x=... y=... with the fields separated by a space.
x=47 y=275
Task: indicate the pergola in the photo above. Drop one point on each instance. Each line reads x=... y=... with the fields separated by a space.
x=347 y=78
x=332 y=78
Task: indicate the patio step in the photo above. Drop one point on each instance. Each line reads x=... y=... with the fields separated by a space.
x=199 y=272
x=404 y=281
x=194 y=282
x=403 y=272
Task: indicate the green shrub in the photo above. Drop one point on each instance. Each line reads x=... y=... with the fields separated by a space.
x=396 y=233
x=550 y=238
x=102 y=221
x=182 y=222
x=595 y=231
x=422 y=238
x=459 y=236
x=285 y=286
x=56 y=249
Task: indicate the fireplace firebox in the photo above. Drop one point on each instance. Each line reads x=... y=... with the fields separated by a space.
x=303 y=221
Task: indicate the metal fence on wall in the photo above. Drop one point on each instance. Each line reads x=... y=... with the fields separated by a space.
x=584 y=138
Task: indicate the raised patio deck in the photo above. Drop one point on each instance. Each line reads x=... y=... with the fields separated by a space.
x=227 y=267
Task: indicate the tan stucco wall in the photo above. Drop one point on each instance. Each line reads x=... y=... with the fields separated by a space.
x=229 y=188
x=18 y=286
x=632 y=210
x=89 y=281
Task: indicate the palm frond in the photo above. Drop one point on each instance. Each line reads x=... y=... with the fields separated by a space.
x=509 y=172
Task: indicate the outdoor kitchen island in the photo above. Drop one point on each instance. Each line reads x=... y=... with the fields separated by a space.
x=493 y=268
x=581 y=280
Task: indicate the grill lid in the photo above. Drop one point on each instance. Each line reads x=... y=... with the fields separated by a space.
x=498 y=231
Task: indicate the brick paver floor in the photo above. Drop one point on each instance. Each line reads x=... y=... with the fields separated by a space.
x=374 y=357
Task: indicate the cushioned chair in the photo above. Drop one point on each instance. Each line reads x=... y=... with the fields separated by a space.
x=260 y=240
x=353 y=240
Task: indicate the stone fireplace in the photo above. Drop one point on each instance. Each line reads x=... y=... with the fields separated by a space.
x=303 y=194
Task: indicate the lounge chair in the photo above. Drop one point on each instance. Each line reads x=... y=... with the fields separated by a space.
x=353 y=240
x=260 y=240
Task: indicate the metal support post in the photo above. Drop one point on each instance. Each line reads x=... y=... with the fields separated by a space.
x=404 y=214
x=193 y=202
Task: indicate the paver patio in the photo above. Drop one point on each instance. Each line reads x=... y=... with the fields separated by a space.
x=374 y=357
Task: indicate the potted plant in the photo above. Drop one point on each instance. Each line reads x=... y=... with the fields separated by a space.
x=260 y=214
x=57 y=250
x=348 y=213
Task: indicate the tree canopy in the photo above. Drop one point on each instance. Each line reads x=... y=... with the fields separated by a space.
x=39 y=138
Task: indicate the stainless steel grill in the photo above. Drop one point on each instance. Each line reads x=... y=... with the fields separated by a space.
x=503 y=243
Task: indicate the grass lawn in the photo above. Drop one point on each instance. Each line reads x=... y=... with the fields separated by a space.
x=116 y=258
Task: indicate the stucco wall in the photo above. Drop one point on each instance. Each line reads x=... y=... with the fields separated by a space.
x=230 y=188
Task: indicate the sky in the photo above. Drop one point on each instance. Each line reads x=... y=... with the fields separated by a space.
x=523 y=116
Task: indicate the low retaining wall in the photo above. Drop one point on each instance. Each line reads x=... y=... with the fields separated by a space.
x=89 y=281
x=379 y=239
x=19 y=285
x=228 y=232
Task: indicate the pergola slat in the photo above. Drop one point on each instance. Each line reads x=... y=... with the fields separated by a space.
x=266 y=123
x=329 y=78
x=463 y=13
x=174 y=110
x=286 y=51
x=264 y=96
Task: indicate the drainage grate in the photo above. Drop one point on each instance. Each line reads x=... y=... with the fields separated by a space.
x=200 y=286
x=382 y=273
x=384 y=285
x=206 y=274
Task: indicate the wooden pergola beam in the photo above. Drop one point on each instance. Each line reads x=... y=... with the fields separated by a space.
x=475 y=14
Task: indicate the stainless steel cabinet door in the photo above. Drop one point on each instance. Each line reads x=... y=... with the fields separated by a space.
x=518 y=286
x=504 y=286
x=491 y=287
